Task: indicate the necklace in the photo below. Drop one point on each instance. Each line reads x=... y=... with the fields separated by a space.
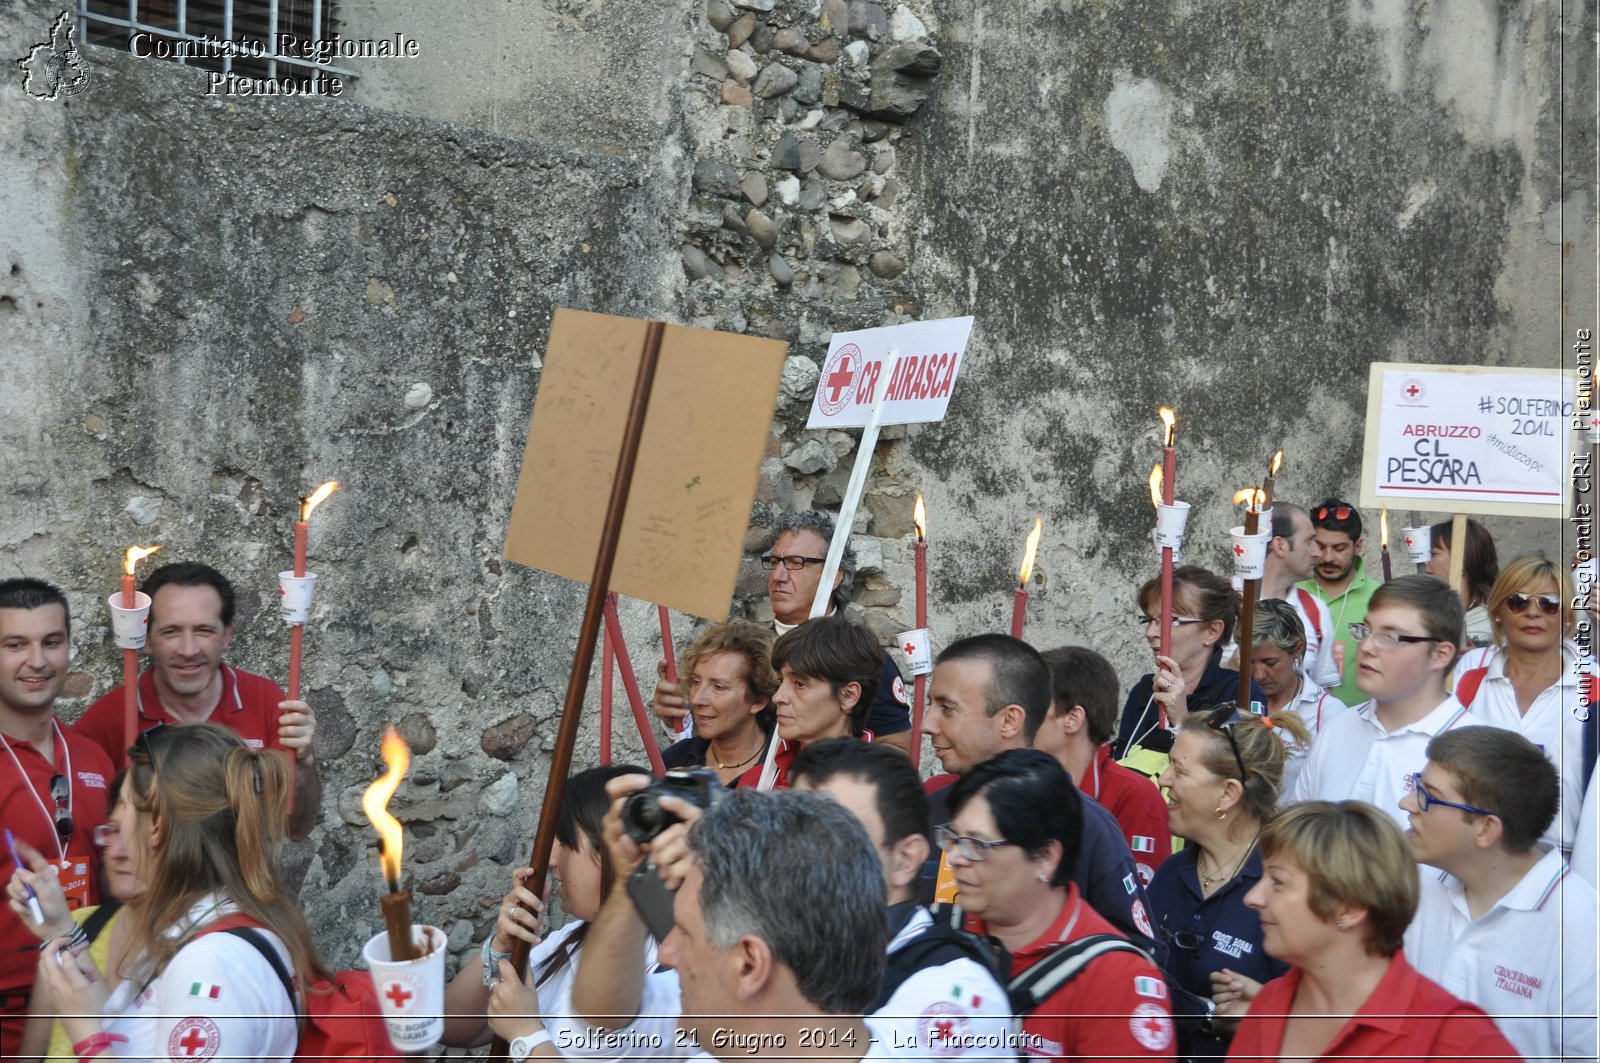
x=1210 y=883
x=724 y=767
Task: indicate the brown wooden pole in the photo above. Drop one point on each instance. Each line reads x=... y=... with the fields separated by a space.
x=588 y=631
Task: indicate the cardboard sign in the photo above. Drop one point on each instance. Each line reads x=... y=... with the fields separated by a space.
x=1466 y=439
x=852 y=374
x=705 y=433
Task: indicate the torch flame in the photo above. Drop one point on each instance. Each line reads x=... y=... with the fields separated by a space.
x=1383 y=524
x=1032 y=548
x=1169 y=419
x=1155 y=484
x=316 y=498
x=136 y=554
x=1275 y=464
x=919 y=519
x=1253 y=497
x=397 y=755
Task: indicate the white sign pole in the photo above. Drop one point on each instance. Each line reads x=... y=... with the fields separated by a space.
x=841 y=530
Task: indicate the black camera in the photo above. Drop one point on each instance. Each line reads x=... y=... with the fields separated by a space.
x=644 y=818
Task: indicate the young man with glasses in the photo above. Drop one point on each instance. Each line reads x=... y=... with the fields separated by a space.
x=794 y=571
x=52 y=783
x=1340 y=580
x=1504 y=923
x=1406 y=648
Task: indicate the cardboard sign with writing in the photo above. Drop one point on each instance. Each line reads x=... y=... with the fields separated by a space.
x=1467 y=439
x=852 y=374
x=704 y=436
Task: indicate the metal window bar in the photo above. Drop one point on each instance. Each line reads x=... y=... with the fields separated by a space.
x=180 y=32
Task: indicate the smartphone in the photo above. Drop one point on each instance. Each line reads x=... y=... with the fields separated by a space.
x=653 y=900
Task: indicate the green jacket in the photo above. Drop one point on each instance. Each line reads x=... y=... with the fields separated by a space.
x=1346 y=609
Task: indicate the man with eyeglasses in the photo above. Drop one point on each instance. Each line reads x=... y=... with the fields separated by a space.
x=1340 y=580
x=1406 y=648
x=1504 y=923
x=52 y=783
x=794 y=571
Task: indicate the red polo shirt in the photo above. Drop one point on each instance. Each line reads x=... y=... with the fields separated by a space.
x=248 y=705
x=28 y=810
x=1137 y=803
x=1406 y=1017
x=1116 y=1008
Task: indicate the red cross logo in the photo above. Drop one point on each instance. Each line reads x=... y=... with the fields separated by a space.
x=943 y=1030
x=193 y=1041
x=910 y=648
x=195 y=1037
x=399 y=994
x=1238 y=551
x=839 y=379
x=1412 y=391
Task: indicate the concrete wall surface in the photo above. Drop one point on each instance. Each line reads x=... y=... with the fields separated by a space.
x=210 y=303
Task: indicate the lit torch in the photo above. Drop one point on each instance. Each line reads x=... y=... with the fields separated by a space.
x=1252 y=498
x=130 y=658
x=1383 y=527
x=1167 y=484
x=396 y=903
x=1270 y=482
x=919 y=554
x=1019 y=605
x=301 y=527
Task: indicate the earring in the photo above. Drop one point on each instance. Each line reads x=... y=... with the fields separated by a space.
x=1043 y=877
x=1338 y=924
x=1219 y=813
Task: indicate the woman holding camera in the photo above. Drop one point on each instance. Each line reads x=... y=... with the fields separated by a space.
x=583 y=877
x=728 y=683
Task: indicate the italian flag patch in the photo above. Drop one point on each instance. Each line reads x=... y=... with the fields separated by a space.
x=206 y=990
x=1143 y=844
x=1150 y=987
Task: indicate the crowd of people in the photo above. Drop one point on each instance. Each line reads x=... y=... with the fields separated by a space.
x=1386 y=848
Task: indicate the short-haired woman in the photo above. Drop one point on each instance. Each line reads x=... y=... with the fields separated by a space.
x=1338 y=890
x=727 y=680
x=1276 y=666
x=828 y=671
x=1480 y=566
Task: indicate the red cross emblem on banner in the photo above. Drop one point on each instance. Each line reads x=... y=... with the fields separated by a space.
x=839 y=379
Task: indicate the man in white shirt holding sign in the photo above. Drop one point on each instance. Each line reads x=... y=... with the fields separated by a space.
x=1404 y=651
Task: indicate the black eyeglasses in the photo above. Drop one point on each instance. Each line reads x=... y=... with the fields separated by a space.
x=61 y=794
x=1385 y=640
x=1425 y=800
x=144 y=745
x=972 y=850
x=1222 y=718
x=1177 y=621
x=792 y=562
x=1187 y=940
x=1548 y=604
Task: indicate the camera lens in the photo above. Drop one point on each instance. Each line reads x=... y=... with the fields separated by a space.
x=643 y=817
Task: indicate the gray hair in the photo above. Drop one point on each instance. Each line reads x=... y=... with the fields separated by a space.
x=797 y=870
x=813 y=520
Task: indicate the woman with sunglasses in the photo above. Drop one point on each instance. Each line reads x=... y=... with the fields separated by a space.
x=1205 y=608
x=1531 y=679
x=1222 y=787
x=1338 y=889
x=203 y=818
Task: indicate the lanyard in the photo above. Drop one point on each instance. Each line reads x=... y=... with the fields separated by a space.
x=61 y=744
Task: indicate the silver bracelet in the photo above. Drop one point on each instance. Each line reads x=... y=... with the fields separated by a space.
x=491 y=961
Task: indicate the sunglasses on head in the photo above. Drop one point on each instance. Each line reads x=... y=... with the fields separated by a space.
x=1548 y=604
x=1339 y=513
x=61 y=794
x=1222 y=719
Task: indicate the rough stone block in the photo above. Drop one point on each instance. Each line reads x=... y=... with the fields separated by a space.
x=720 y=14
x=868 y=20
x=761 y=229
x=741 y=66
x=740 y=29
x=507 y=738
x=841 y=161
x=715 y=177
x=754 y=188
x=736 y=95
x=775 y=80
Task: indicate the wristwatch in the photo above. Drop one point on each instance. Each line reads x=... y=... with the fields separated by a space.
x=522 y=1047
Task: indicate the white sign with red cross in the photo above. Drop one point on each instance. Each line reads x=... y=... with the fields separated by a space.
x=919 y=389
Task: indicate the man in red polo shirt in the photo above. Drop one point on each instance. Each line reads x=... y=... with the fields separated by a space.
x=52 y=783
x=1078 y=730
x=191 y=625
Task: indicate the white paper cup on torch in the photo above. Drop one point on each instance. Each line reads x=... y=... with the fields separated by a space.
x=410 y=993
x=918 y=648
x=1249 y=553
x=1419 y=544
x=1177 y=551
x=128 y=626
x=1170 y=522
x=294 y=596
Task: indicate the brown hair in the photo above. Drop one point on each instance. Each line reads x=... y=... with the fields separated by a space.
x=1261 y=750
x=1480 y=564
x=1503 y=772
x=1351 y=854
x=1204 y=593
x=221 y=808
x=749 y=640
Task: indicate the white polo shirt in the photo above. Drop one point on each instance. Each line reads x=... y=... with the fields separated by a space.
x=1529 y=961
x=1551 y=723
x=1316 y=708
x=953 y=1011
x=1355 y=758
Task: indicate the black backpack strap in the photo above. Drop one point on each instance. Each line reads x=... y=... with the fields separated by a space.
x=100 y=917
x=1035 y=985
x=263 y=946
x=939 y=944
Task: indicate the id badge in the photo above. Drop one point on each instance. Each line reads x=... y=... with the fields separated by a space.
x=1338 y=656
x=73 y=873
x=945 y=890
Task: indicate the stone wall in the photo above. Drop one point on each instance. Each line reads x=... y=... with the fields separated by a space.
x=207 y=306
